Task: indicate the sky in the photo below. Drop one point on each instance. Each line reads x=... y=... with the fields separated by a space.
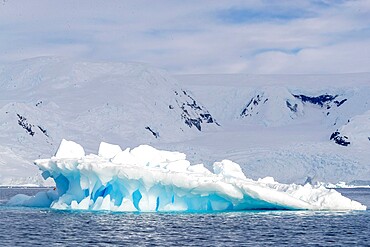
x=194 y=36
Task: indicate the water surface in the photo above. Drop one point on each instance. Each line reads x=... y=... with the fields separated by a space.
x=35 y=226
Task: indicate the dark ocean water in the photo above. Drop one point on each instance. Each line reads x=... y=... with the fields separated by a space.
x=21 y=226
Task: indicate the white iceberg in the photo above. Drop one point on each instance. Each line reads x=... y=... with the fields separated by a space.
x=148 y=180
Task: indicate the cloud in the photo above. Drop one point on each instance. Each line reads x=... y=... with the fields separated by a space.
x=278 y=14
x=333 y=59
x=255 y=36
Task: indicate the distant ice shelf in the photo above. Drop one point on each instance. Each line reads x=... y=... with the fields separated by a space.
x=145 y=179
x=353 y=185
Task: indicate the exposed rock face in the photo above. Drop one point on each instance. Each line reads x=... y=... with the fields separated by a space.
x=339 y=139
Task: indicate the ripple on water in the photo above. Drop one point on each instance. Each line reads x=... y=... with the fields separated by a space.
x=32 y=227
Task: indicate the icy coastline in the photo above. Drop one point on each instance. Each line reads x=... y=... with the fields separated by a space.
x=145 y=179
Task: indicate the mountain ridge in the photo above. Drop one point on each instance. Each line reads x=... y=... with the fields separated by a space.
x=273 y=125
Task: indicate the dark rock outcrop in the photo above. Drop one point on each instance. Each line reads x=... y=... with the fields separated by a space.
x=340 y=140
x=22 y=121
x=193 y=114
x=154 y=133
x=254 y=102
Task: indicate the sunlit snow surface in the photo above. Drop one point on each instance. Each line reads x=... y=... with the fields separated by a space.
x=146 y=179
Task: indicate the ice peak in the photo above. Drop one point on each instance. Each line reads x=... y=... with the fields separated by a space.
x=69 y=150
x=108 y=151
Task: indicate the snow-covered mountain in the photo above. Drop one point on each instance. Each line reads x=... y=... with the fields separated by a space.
x=46 y=99
x=285 y=126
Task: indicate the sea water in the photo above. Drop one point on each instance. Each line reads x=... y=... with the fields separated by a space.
x=21 y=226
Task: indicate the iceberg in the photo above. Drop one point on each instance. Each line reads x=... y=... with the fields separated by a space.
x=145 y=179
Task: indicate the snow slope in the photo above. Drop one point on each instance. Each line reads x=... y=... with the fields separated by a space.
x=46 y=99
x=272 y=125
x=280 y=125
x=355 y=132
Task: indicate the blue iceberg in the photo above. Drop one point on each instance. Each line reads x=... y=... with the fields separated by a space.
x=145 y=179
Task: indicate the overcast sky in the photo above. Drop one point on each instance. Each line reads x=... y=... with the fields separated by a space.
x=194 y=36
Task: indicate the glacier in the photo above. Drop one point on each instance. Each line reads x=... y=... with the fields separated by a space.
x=145 y=179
